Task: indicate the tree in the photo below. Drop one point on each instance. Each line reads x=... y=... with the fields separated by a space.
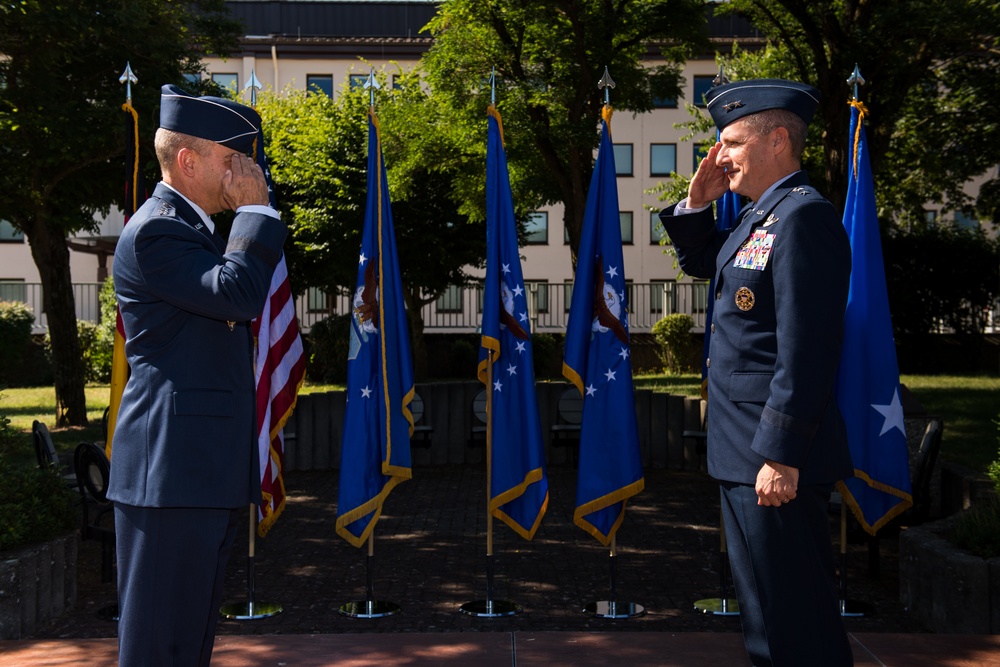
x=61 y=133
x=317 y=149
x=933 y=72
x=549 y=57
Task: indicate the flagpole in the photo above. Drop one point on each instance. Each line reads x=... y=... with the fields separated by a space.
x=251 y=609
x=370 y=607
x=490 y=608
x=610 y=608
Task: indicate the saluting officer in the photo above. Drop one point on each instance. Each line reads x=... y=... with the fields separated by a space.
x=184 y=456
x=776 y=439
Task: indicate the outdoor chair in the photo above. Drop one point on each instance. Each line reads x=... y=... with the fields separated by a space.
x=569 y=416
x=93 y=472
x=421 y=429
x=477 y=436
x=45 y=452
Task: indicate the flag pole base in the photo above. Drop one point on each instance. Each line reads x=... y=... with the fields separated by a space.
x=249 y=611
x=855 y=609
x=369 y=609
x=613 y=609
x=490 y=608
x=718 y=606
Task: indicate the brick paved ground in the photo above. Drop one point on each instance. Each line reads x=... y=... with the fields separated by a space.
x=430 y=559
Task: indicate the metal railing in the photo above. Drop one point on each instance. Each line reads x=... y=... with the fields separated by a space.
x=459 y=310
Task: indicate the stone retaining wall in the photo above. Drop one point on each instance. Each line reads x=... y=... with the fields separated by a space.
x=37 y=584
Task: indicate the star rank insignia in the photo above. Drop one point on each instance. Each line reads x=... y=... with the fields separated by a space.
x=729 y=106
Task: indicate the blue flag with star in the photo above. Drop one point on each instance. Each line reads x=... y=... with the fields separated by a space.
x=868 y=380
x=519 y=488
x=597 y=359
x=375 y=449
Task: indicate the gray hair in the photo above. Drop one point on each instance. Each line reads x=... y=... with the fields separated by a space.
x=765 y=122
x=168 y=143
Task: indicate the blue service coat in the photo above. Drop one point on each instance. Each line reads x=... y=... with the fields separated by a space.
x=781 y=283
x=185 y=435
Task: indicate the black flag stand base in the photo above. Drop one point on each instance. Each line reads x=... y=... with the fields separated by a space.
x=722 y=605
x=848 y=608
x=251 y=609
x=612 y=608
x=490 y=608
x=369 y=607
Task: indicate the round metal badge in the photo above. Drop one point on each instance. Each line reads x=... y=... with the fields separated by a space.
x=744 y=298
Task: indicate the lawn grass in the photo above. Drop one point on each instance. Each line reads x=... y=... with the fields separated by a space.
x=968 y=404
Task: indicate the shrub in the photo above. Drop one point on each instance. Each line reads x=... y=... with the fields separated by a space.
x=16 y=320
x=978 y=529
x=548 y=355
x=676 y=347
x=329 y=343
x=36 y=505
x=463 y=356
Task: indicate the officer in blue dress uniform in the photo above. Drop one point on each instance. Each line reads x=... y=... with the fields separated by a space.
x=776 y=440
x=184 y=456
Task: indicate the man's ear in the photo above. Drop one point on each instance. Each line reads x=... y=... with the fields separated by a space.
x=185 y=161
x=779 y=140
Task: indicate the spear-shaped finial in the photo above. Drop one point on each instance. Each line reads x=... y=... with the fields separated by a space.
x=493 y=85
x=856 y=80
x=372 y=85
x=720 y=79
x=253 y=85
x=128 y=78
x=607 y=83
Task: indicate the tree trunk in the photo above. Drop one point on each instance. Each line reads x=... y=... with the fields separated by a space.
x=51 y=255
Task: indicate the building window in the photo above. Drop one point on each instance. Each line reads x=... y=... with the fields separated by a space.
x=623 y=159
x=662 y=159
x=625 y=220
x=964 y=221
x=664 y=102
x=225 y=81
x=13 y=289
x=537 y=229
x=317 y=300
x=193 y=79
x=538 y=292
x=396 y=84
x=451 y=300
x=661 y=297
x=319 y=84
x=357 y=81
x=9 y=233
x=656 y=231
x=702 y=84
x=930 y=217
x=567 y=295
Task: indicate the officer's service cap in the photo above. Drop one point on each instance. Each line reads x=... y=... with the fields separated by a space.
x=214 y=118
x=732 y=101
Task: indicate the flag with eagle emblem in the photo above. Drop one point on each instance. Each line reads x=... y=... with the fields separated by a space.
x=519 y=489
x=375 y=449
x=597 y=359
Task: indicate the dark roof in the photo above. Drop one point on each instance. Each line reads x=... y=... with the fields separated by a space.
x=311 y=28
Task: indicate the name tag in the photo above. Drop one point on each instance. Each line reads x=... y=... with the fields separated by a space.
x=755 y=252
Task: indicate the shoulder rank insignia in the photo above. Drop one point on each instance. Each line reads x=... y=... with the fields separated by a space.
x=801 y=190
x=165 y=209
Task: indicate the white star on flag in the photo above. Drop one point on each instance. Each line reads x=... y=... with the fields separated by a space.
x=512 y=369
x=366 y=392
x=624 y=353
x=612 y=271
x=506 y=269
x=520 y=347
x=591 y=390
x=893 y=414
x=524 y=317
x=362 y=259
x=610 y=375
x=518 y=291
x=497 y=386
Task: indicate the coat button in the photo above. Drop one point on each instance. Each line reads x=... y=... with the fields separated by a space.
x=708 y=363
x=718 y=294
x=713 y=327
